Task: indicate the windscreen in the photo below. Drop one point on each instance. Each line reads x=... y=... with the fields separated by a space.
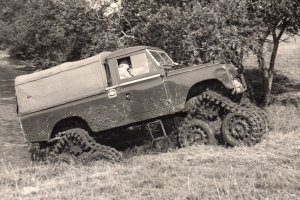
x=162 y=57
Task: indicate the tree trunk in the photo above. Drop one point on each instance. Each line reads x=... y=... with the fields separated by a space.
x=261 y=65
x=273 y=55
x=268 y=74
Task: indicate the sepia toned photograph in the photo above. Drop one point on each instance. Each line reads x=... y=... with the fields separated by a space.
x=150 y=99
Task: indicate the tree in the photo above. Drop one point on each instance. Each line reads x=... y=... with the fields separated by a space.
x=9 y=13
x=224 y=30
x=50 y=32
x=155 y=25
x=273 y=19
x=191 y=31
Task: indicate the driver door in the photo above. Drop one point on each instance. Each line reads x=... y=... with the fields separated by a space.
x=144 y=94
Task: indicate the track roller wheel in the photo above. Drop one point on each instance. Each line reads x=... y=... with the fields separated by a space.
x=238 y=130
x=195 y=131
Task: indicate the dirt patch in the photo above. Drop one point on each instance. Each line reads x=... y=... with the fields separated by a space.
x=13 y=147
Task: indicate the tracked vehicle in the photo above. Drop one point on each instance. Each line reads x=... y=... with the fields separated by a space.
x=66 y=111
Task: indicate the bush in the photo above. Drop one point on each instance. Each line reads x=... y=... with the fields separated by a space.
x=52 y=32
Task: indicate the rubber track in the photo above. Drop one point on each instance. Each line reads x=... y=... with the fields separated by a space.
x=259 y=124
x=88 y=145
x=263 y=114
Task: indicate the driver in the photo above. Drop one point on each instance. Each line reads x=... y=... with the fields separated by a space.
x=125 y=69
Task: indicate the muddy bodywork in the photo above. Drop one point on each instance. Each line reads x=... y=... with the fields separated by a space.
x=127 y=101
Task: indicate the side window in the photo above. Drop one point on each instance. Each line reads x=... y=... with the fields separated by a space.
x=139 y=64
x=108 y=75
x=136 y=65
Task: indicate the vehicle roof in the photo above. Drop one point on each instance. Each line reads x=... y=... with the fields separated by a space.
x=129 y=50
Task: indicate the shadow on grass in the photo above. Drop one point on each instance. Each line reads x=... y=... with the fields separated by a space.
x=283 y=87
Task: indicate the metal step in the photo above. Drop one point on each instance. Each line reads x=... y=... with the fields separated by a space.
x=157 y=130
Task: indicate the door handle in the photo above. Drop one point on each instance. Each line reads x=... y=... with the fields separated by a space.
x=127 y=96
x=112 y=93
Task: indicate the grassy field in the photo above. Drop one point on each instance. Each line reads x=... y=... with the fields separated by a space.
x=268 y=170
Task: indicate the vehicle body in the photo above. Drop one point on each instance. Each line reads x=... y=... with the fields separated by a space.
x=91 y=91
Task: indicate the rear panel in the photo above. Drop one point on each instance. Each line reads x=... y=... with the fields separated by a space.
x=59 y=85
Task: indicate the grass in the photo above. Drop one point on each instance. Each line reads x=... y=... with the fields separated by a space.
x=268 y=170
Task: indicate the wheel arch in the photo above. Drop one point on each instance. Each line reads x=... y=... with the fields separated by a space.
x=210 y=84
x=70 y=122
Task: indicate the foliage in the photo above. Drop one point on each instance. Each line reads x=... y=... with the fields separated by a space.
x=197 y=31
x=191 y=31
x=150 y=24
x=52 y=32
x=8 y=14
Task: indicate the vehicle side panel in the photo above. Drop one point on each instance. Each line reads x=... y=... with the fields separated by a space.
x=98 y=111
x=180 y=82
